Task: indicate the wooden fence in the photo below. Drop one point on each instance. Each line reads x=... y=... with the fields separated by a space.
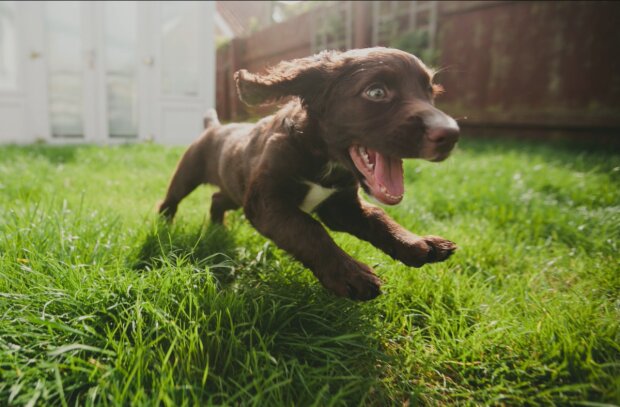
x=536 y=65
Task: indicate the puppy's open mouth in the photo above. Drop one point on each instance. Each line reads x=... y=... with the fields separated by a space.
x=383 y=175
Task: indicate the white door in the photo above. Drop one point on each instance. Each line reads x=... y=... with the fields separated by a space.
x=105 y=71
x=184 y=69
x=70 y=62
x=121 y=78
x=13 y=78
x=93 y=71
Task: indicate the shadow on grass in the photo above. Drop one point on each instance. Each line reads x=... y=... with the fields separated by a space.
x=203 y=246
x=324 y=348
x=266 y=321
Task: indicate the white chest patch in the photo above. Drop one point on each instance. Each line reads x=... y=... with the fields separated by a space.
x=316 y=194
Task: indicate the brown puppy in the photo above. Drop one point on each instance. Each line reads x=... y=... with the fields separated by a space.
x=355 y=116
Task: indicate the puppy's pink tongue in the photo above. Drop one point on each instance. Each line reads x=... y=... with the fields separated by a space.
x=389 y=173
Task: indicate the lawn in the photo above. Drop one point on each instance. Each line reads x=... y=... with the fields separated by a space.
x=102 y=304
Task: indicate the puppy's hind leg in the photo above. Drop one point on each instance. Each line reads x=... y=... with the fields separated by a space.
x=220 y=203
x=189 y=174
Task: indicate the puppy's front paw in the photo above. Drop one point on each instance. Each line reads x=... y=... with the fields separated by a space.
x=439 y=249
x=351 y=279
x=426 y=249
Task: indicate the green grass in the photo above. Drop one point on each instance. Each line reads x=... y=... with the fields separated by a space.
x=101 y=304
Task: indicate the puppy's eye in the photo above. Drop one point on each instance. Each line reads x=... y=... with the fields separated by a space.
x=376 y=92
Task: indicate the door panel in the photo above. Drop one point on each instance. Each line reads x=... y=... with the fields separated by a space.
x=121 y=68
x=186 y=74
x=8 y=46
x=65 y=65
x=180 y=45
x=11 y=84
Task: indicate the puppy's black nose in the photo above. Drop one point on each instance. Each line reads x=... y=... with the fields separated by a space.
x=443 y=135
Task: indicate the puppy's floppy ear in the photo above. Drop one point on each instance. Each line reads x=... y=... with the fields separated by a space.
x=300 y=77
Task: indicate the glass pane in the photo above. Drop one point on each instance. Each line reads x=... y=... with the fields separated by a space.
x=120 y=62
x=8 y=43
x=180 y=47
x=63 y=26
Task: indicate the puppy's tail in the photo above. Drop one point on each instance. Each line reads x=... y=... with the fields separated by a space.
x=210 y=118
